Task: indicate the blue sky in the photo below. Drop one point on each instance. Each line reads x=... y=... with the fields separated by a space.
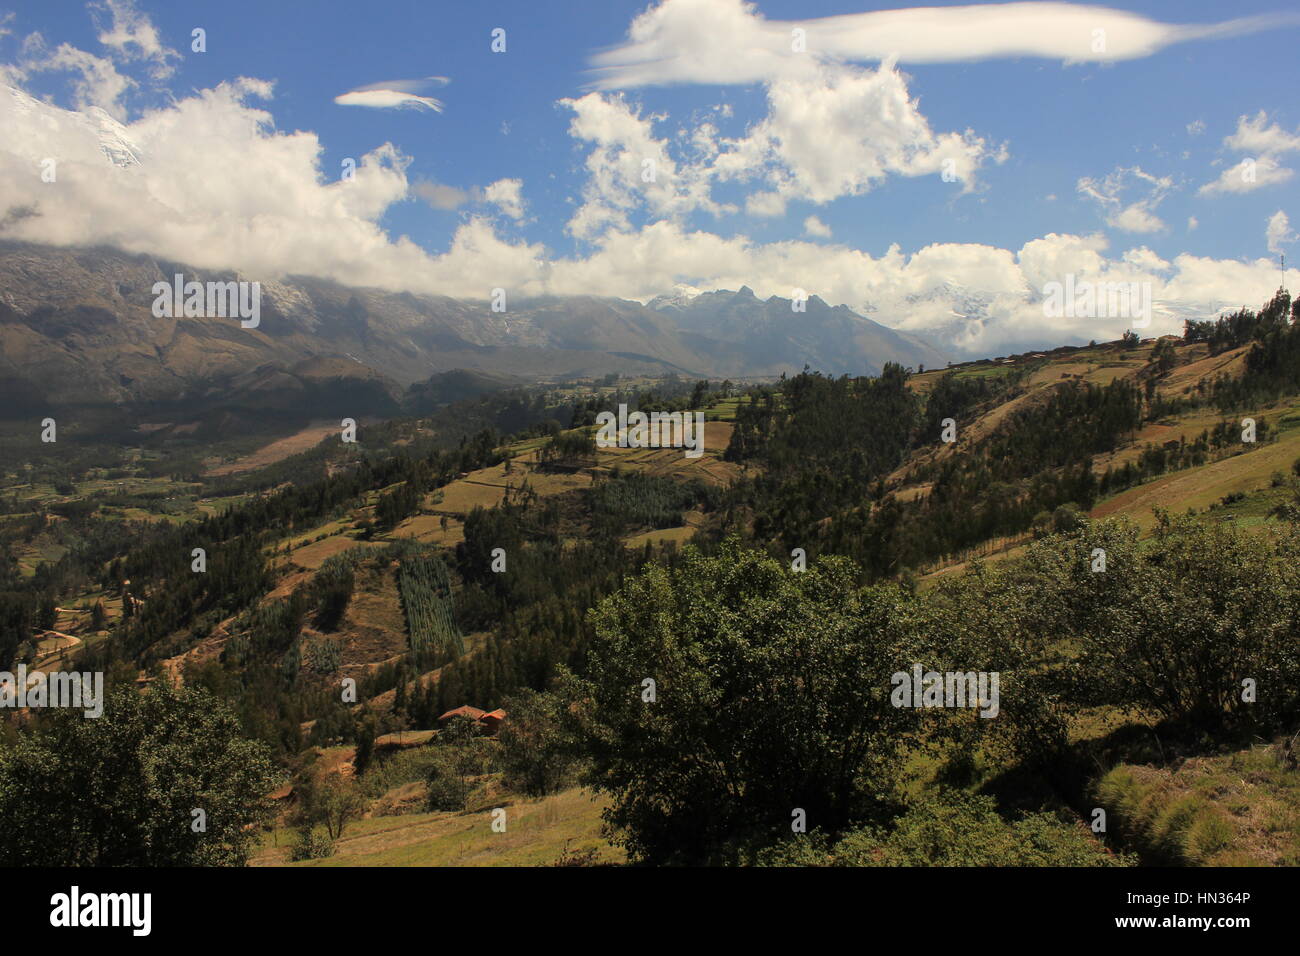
x=1044 y=136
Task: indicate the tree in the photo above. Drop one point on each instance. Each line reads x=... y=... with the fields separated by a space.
x=328 y=799
x=122 y=789
x=458 y=758
x=1175 y=624
x=770 y=693
x=365 y=744
x=46 y=613
x=1163 y=356
x=537 y=749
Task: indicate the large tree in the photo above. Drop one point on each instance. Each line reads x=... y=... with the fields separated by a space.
x=770 y=696
x=122 y=789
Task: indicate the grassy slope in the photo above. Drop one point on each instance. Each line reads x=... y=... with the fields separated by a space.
x=537 y=832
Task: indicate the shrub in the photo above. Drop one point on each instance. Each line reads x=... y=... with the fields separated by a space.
x=312 y=844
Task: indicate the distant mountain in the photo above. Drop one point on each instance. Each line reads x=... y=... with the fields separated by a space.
x=768 y=336
x=77 y=327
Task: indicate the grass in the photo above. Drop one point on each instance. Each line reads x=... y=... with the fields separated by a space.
x=537 y=832
x=1238 y=809
x=1203 y=486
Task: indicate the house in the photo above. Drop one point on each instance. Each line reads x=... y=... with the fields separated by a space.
x=492 y=721
x=473 y=713
x=488 y=722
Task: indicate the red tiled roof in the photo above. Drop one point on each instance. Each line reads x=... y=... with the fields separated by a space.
x=465 y=710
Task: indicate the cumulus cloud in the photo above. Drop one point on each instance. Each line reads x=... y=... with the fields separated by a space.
x=1110 y=193
x=208 y=180
x=1267 y=142
x=395 y=94
x=729 y=41
x=507 y=196
x=280 y=216
x=95 y=82
x=629 y=167
x=215 y=186
x=812 y=226
x=830 y=131
x=836 y=131
x=1278 y=234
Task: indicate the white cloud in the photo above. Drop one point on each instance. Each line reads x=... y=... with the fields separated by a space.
x=835 y=131
x=765 y=205
x=1266 y=141
x=96 y=81
x=730 y=42
x=131 y=35
x=630 y=167
x=395 y=94
x=216 y=187
x=128 y=36
x=506 y=195
x=1131 y=216
x=1255 y=134
x=812 y=226
x=442 y=196
x=1196 y=127
x=830 y=131
x=209 y=181
x=1192 y=223
x=1278 y=234
x=1248 y=175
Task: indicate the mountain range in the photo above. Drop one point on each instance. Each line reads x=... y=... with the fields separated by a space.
x=77 y=328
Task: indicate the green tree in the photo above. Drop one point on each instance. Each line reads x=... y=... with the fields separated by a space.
x=771 y=693
x=329 y=800
x=1176 y=624
x=537 y=749
x=459 y=758
x=121 y=789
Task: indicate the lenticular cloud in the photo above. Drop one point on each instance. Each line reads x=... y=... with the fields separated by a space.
x=395 y=94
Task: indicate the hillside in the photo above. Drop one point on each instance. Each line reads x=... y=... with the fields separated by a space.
x=430 y=567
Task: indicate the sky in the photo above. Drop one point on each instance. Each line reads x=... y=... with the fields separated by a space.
x=935 y=168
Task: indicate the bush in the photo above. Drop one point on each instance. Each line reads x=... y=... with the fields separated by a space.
x=312 y=844
x=948 y=828
x=447 y=792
